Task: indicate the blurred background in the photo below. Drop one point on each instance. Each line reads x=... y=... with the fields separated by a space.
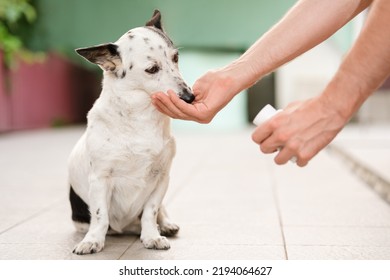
x=43 y=83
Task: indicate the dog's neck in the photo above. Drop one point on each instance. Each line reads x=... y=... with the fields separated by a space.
x=130 y=107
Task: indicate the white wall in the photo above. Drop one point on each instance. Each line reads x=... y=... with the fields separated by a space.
x=307 y=75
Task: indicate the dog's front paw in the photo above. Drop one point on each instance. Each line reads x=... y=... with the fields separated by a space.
x=88 y=247
x=170 y=229
x=159 y=243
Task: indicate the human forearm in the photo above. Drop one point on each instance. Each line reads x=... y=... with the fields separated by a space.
x=367 y=64
x=307 y=24
x=305 y=128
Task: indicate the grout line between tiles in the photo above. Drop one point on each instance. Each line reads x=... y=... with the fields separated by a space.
x=128 y=247
x=276 y=200
x=36 y=214
x=374 y=180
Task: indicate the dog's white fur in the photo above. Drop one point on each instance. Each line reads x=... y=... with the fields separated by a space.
x=120 y=166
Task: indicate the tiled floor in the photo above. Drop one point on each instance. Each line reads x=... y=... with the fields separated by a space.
x=230 y=201
x=366 y=149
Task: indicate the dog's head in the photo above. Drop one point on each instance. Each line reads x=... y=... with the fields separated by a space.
x=144 y=58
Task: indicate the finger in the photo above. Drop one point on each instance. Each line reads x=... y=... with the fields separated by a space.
x=302 y=163
x=188 y=109
x=285 y=155
x=312 y=148
x=270 y=145
x=161 y=107
x=261 y=133
x=167 y=104
x=268 y=150
x=198 y=88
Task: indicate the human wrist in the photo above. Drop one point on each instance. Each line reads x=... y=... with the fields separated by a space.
x=241 y=75
x=345 y=94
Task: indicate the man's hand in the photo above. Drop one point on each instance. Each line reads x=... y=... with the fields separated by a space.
x=212 y=92
x=301 y=130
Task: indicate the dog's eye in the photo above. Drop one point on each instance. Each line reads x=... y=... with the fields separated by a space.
x=153 y=70
x=175 y=58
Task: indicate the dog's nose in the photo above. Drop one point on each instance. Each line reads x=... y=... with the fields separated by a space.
x=187 y=96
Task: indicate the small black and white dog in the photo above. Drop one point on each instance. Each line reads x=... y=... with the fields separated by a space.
x=119 y=169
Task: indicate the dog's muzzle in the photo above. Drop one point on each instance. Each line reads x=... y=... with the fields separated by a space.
x=187 y=96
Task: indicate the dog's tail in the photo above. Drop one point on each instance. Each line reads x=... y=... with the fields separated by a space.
x=80 y=212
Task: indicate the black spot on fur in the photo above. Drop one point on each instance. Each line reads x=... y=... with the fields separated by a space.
x=146 y=40
x=160 y=47
x=131 y=37
x=98 y=214
x=123 y=74
x=80 y=211
x=151 y=48
x=130 y=49
x=131 y=66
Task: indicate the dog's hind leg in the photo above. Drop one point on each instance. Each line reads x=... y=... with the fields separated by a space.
x=80 y=213
x=167 y=228
x=99 y=197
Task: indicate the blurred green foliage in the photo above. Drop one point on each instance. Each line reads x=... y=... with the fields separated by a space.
x=13 y=15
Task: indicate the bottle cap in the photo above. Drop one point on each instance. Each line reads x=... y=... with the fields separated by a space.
x=267 y=112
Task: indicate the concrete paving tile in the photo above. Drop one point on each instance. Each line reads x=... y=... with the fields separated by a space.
x=30 y=251
x=336 y=213
x=323 y=176
x=33 y=172
x=206 y=252
x=313 y=197
x=15 y=214
x=368 y=145
x=237 y=233
x=337 y=236
x=338 y=253
x=54 y=227
x=224 y=194
x=41 y=156
x=214 y=212
x=42 y=251
x=198 y=156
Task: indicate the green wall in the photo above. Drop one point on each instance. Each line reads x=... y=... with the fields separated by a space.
x=224 y=24
x=217 y=24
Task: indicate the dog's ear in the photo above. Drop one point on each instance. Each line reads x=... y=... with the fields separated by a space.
x=106 y=56
x=155 y=21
